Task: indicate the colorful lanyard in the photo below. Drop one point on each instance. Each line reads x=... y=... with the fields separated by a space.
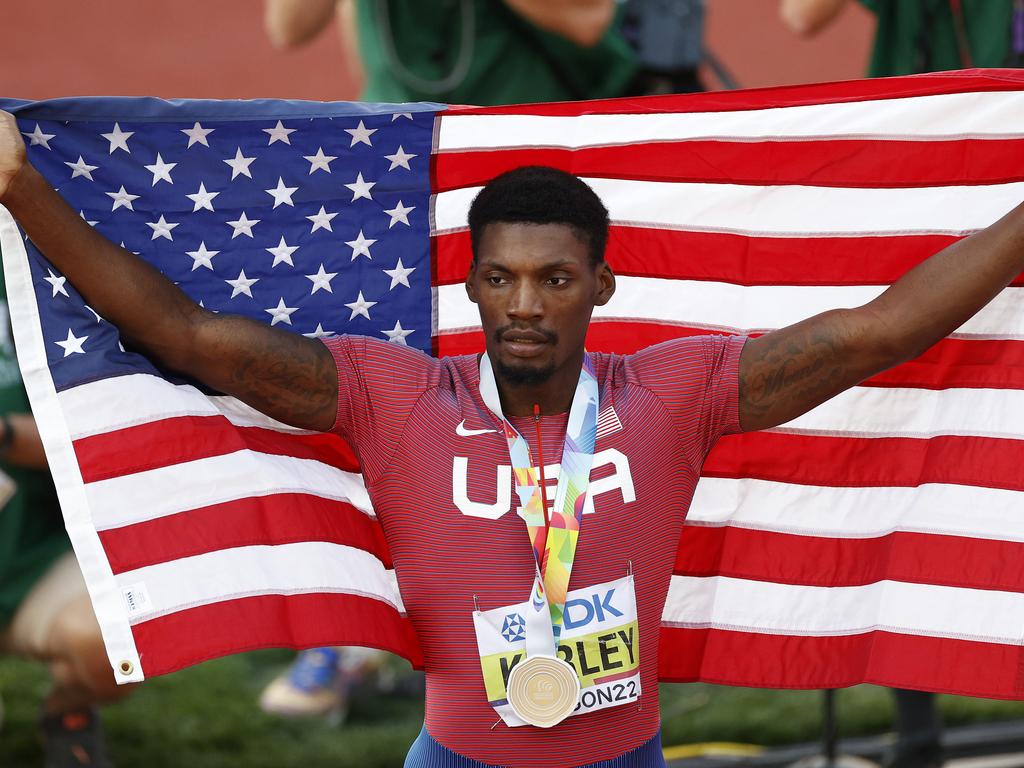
x=554 y=541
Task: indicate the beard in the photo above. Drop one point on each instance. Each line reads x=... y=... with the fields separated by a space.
x=524 y=375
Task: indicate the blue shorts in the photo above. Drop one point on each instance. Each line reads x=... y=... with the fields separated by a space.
x=427 y=753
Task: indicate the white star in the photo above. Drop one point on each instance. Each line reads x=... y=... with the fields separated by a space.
x=118 y=139
x=398 y=333
x=281 y=193
x=321 y=220
x=57 y=283
x=400 y=213
x=401 y=114
x=38 y=137
x=81 y=168
x=243 y=226
x=278 y=133
x=360 y=246
x=280 y=313
x=202 y=257
x=361 y=134
x=72 y=344
x=283 y=252
x=161 y=171
x=319 y=333
x=202 y=198
x=361 y=188
x=240 y=164
x=161 y=228
x=122 y=199
x=322 y=279
x=320 y=161
x=399 y=275
x=90 y=223
x=96 y=315
x=242 y=284
x=400 y=158
x=360 y=307
x=197 y=134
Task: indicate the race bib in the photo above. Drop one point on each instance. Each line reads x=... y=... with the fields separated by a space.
x=599 y=639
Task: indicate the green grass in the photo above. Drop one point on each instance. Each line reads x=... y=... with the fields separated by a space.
x=206 y=717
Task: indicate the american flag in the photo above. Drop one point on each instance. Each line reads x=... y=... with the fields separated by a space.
x=875 y=539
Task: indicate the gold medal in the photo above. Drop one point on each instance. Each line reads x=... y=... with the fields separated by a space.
x=543 y=690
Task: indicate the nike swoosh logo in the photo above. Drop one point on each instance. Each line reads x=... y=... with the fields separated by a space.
x=461 y=430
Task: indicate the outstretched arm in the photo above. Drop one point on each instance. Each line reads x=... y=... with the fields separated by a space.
x=288 y=377
x=789 y=371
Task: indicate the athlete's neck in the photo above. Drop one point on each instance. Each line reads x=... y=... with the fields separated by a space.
x=554 y=395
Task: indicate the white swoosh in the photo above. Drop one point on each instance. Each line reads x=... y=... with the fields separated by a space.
x=463 y=432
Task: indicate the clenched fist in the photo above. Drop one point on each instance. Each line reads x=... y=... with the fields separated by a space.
x=12 y=151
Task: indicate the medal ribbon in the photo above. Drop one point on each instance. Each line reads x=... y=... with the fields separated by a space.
x=553 y=540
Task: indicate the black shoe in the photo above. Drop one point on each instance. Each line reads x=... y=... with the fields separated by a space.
x=74 y=740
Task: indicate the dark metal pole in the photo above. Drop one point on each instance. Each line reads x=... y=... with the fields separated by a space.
x=830 y=728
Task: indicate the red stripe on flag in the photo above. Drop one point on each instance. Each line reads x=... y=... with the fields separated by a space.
x=780 y=96
x=168 y=643
x=937 y=664
x=282 y=518
x=867 y=163
x=187 y=438
x=974 y=363
x=869 y=461
x=920 y=558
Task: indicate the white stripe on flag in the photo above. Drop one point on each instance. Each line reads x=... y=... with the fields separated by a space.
x=285 y=569
x=155 y=493
x=785 y=609
x=956 y=116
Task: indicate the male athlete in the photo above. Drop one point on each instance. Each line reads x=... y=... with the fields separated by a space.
x=435 y=438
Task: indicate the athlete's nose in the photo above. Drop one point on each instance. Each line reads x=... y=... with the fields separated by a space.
x=525 y=303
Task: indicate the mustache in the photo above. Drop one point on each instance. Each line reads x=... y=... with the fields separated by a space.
x=549 y=336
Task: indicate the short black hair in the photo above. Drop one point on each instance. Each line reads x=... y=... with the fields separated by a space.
x=537 y=194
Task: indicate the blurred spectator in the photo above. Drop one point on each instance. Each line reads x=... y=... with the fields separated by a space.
x=45 y=613
x=470 y=51
x=926 y=35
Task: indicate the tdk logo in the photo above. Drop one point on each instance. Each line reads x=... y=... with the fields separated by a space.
x=581 y=611
x=513 y=629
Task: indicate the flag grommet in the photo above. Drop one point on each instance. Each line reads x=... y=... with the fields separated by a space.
x=126 y=667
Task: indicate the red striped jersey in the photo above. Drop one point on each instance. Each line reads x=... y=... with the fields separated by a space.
x=445 y=501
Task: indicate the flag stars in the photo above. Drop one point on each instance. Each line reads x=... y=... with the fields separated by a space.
x=56 y=283
x=360 y=246
x=90 y=223
x=360 y=307
x=118 y=139
x=72 y=345
x=243 y=226
x=161 y=171
x=322 y=280
x=282 y=195
x=400 y=213
x=398 y=334
x=202 y=257
x=282 y=252
x=202 y=198
x=361 y=188
x=38 y=138
x=400 y=159
x=360 y=134
x=399 y=275
x=406 y=115
x=279 y=133
x=280 y=313
x=121 y=199
x=161 y=228
x=321 y=220
x=320 y=161
x=240 y=164
x=81 y=168
x=319 y=333
x=242 y=284
x=197 y=135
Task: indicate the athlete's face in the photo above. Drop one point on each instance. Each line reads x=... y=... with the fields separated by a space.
x=536 y=288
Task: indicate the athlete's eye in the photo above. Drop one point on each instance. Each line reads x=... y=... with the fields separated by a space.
x=557 y=281
x=496 y=280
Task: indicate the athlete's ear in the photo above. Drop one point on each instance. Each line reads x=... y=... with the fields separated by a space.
x=605 y=285
x=470 y=277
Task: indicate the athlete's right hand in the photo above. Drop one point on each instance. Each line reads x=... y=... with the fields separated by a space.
x=12 y=151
